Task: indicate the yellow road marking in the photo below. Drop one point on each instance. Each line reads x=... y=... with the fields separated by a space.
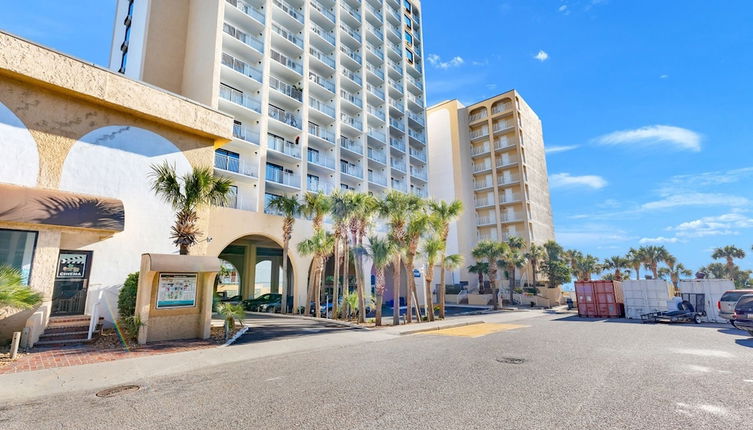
x=475 y=330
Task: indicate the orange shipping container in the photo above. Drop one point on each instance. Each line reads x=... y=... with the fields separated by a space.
x=601 y=299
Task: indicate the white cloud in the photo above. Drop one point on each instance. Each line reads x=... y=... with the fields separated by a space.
x=565 y=180
x=591 y=234
x=696 y=199
x=541 y=56
x=691 y=183
x=725 y=224
x=677 y=137
x=562 y=148
x=436 y=61
x=663 y=76
x=564 y=10
x=660 y=239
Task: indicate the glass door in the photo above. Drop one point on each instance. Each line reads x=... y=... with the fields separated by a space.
x=71 y=283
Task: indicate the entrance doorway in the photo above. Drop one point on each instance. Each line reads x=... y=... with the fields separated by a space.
x=71 y=283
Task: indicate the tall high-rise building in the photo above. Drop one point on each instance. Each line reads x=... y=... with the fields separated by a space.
x=490 y=155
x=325 y=94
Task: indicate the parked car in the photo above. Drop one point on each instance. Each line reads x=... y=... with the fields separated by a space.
x=743 y=316
x=726 y=304
x=254 y=305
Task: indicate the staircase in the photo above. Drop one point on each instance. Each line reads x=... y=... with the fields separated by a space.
x=68 y=330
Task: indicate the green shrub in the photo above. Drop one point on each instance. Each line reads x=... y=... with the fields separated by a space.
x=127 y=296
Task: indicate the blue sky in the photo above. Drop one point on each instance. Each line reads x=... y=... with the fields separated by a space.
x=646 y=105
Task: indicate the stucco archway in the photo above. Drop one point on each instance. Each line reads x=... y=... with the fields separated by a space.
x=20 y=154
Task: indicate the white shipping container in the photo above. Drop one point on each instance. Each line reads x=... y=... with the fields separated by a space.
x=712 y=289
x=645 y=296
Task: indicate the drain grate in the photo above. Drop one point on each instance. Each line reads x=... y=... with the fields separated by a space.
x=511 y=360
x=116 y=391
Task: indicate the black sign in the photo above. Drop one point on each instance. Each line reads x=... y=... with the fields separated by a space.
x=72 y=265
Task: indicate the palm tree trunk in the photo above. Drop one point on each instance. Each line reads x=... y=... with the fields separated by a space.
x=512 y=284
x=318 y=293
x=183 y=249
x=360 y=289
x=311 y=288
x=495 y=298
x=335 y=279
x=427 y=286
x=441 y=292
x=379 y=295
x=409 y=291
x=346 y=272
x=323 y=282
x=396 y=291
x=284 y=289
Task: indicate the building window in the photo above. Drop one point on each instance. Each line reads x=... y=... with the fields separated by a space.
x=17 y=251
x=409 y=55
x=408 y=38
x=408 y=22
x=407 y=5
x=227 y=160
x=232 y=198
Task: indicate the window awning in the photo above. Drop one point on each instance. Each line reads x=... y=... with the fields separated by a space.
x=60 y=208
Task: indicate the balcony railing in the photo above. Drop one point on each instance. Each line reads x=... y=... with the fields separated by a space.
x=502 y=143
x=377 y=155
x=420 y=192
x=478 y=150
x=351 y=121
x=512 y=198
x=507 y=181
x=399 y=185
x=241 y=67
x=375 y=70
x=246 y=134
x=322 y=107
x=286 y=117
x=319 y=187
x=352 y=98
x=502 y=162
x=504 y=107
x=398 y=144
x=480 y=167
x=324 y=83
x=355 y=13
x=353 y=55
x=351 y=169
x=239 y=98
x=326 y=35
x=248 y=9
x=281 y=177
x=484 y=202
x=486 y=220
x=398 y=164
x=352 y=76
x=416 y=117
x=503 y=125
x=323 y=10
x=396 y=85
x=351 y=145
x=415 y=82
x=418 y=154
x=377 y=112
x=320 y=160
x=285 y=88
x=415 y=99
x=243 y=37
x=416 y=135
x=376 y=31
x=480 y=132
x=378 y=135
x=321 y=133
x=276 y=143
x=321 y=56
x=290 y=37
x=481 y=184
x=396 y=67
x=398 y=124
x=287 y=62
x=377 y=12
x=374 y=90
x=375 y=50
x=232 y=164
x=398 y=105
x=378 y=178
x=418 y=173
x=290 y=10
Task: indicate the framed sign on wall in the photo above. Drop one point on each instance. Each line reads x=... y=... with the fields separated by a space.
x=176 y=290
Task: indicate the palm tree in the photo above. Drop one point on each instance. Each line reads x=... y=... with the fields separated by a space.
x=432 y=250
x=586 y=266
x=418 y=225
x=444 y=213
x=571 y=257
x=652 y=256
x=396 y=207
x=363 y=209
x=320 y=245
x=13 y=293
x=674 y=272
x=381 y=251
x=480 y=268
x=635 y=259
x=512 y=259
x=555 y=266
x=535 y=255
x=288 y=207
x=316 y=206
x=230 y=313
x=489 y=252
x=186 y=195
x=616 y=263
x=729 y=252
x=349 y=207
x=715 y=270
x=338 y=208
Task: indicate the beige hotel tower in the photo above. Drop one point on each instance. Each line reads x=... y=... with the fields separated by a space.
x=490 y=155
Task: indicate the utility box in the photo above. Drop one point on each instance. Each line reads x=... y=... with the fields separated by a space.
x=712 y=289
x=599 y=299
x=174 y=298
x=646 y=296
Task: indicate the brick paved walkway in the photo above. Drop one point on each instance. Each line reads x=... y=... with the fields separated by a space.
x=48 y=358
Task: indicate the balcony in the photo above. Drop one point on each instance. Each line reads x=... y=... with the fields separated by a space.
x=278 y=144
x=418 y=119
x=510 y=218
x=478 y=150
x=486 y=220
x=399 y=185
x=237 y=97
x=241 y=67
x=418 y=173
x=416 y=100
x=287 y=62
x=377 y=155
x=396 y=67
x=321 y=56
x=317 y=158
x=322 y=82
x=376 y=31
x=502 y=181
x=351 y=121
x=398 y=86
x=351 y=98
x=509 y=198
x=484 y=202
x=503 y=107
x=324 y=34
x=487 y=236
x=352 y=76
x=322 y=107
x=398 y=164
x=353 y=55
x=503 y=143
x=289 y=179
x=246 y=134
x=483 y=183
x=398 y=124
x=376 y=51
x=355 y=13
x=352 y=170
x=374 y=90
x=503 y=125
x=378 y=135
x=398 y=144
x=397 y=105
x=479 y=132
x=289 y=9
x=415 y=82
x=506 y=162
x=377 y=71
x=418 y=191
x=248 y=9
x=416 y=135
x=321 y=133
x=376 y=12
x=285 y=89
x=284 y=117
x=376 y=112
x=250 y=41
x=323 y=10
x=418 y=154
x=234 y=165
x=351 y=145
x=482 y=166
x=319 y=187
x=290 y=37
x=378 y=179
x=350 y=31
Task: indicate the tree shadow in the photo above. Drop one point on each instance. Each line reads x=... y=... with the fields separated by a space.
x=748 y=343
x=85 y=212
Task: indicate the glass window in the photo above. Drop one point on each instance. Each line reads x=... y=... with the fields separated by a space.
x=17 y=251
x=407 y=21
x=409 y=55
x=407 y=5
x=408 y=38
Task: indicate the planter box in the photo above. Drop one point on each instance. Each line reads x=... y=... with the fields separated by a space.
x=480 y=299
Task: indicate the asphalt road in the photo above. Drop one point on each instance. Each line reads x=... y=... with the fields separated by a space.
x=575 y=374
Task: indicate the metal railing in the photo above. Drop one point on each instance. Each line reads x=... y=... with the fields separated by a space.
x=398 y=164
x=353 y=55
x=503 y=107
x=416 y=117
x=286 y=117
x=285 y=88
x=352 y=98
x=416 y=135
x=478 y=150
x=281 y=177
x=376 y=31
x=418 y=154
x=351 y=169
x=287 y=62
x=374 y=90
x=234 y=165
x=324 y=83
x=355 y=13
x=486 y=220
x=351 y=145
x=352 y=76
x=480 y=203
x=398 y=144
x=503 y=125
x=377 y=155
x=418 y=173
x=320 y=132
x=375 y=50
x=321 y=56
x=480 y=167
x=241 y=67
x=323 y=10
x=320 y=160
x=289 y=9
x=351 y=121
x=378 y=135
x=377 y=178
x=398 y=124
x=277 y=143
x=322 y=107
x=375 y=70
x=237 y=97
x=246 y=134
x=243 y=37
x=483 y=131
x=292 y=38
x=248 y=9
x=377 y=112
x=326 y=35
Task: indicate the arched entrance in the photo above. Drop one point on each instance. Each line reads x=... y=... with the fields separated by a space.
x=257 y=260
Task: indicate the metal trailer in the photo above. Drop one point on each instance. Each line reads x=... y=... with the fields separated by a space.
x=686 y=312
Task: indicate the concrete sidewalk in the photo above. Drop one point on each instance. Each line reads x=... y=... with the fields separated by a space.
x=22 y=387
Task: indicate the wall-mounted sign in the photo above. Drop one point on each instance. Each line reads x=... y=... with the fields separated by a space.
x=176 y=290
x=416 y=273
x=72 y=265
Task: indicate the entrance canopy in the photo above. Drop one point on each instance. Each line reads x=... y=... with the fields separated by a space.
x=60 y=208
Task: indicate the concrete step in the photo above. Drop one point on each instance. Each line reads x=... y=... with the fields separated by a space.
x=68 y=335
x=70 y=323
x=58 y=343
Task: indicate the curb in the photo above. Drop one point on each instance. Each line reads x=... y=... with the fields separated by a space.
x=240 y=333
x=442 y=327
x=304 y=317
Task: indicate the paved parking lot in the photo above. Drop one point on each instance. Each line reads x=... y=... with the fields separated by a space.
x=263 y=327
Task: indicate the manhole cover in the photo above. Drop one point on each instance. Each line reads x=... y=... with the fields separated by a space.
x=116 y=391
x=511 y=360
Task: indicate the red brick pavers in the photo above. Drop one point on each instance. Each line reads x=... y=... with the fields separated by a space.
x=46 y=358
